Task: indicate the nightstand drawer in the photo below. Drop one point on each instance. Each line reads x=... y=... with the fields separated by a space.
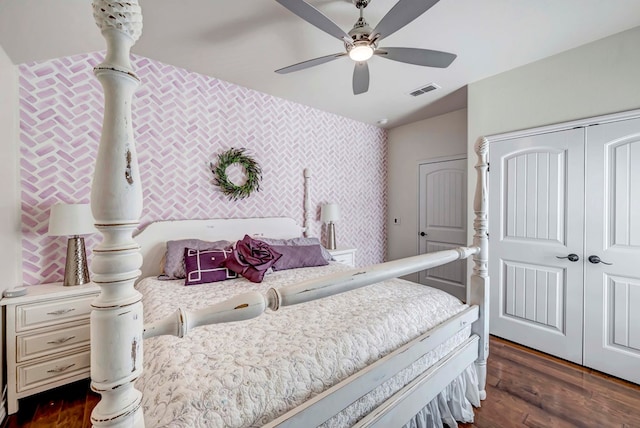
x=47 y=343
x=34 y=375
x=345 y=259
x=346 y=256
x=51 y=312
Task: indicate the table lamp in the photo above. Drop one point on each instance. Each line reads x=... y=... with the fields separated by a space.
x=73 y=220
x=330 y=213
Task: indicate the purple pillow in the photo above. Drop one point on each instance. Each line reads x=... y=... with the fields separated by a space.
x=206 y=266
x=301 y=241
x=251 y=258
x=174 y=261
x=298 y=256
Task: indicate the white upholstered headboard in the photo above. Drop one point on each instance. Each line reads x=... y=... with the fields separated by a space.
x=153 y=238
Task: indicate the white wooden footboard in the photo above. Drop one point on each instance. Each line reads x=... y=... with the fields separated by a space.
x=116 y=321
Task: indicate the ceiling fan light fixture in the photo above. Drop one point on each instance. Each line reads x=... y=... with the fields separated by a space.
x=361 y=42
x=361 y=53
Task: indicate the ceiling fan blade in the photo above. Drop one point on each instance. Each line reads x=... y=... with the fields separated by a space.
x=313 y=16
x=309 y=63
x=400 y=15
x=425 y=57
x=360 y=78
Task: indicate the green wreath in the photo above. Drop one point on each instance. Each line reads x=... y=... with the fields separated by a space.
x=229 y=188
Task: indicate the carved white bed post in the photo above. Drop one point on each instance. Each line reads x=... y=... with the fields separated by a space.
x=307 y=203
x=116 y=202
x=478 y=291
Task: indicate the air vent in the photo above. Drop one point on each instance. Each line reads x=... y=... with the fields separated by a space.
x=424 y=89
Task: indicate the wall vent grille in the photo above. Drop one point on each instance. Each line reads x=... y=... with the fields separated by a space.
x=424 y=89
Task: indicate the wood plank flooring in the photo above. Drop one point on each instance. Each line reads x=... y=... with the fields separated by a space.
x=68 y=406
x=525 y=388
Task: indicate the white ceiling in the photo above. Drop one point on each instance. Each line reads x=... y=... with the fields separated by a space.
x=245 y=41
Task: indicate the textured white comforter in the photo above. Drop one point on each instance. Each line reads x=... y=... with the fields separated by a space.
x=248 y=373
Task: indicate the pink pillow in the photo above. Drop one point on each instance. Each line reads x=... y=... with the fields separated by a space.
x=251 y=258
x=203 y=266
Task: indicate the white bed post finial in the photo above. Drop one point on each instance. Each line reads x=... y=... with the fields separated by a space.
x=307 y=203
x=116 y=202
x=478 y=291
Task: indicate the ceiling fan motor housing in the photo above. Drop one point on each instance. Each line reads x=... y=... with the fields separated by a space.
x=360 y=4
x=359 y=33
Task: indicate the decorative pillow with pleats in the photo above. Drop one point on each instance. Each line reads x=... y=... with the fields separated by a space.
x=251 y=258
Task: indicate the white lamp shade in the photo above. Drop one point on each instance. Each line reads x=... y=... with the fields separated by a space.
x=71 y=220
x=329 y=212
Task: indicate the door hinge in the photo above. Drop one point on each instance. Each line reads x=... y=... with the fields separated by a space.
x=488 y=166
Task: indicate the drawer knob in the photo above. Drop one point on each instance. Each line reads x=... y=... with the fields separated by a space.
x=61 y=340
x=61 y=311
x=60 y=369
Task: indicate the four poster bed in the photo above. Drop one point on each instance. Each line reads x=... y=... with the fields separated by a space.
x=321 y=346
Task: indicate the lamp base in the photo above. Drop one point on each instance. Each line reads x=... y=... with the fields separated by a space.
x=331 y=236
x=76 y=271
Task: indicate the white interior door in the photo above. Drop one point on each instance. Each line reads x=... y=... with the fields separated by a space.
x=612 y=291
x=442 y=217
x=536 y=206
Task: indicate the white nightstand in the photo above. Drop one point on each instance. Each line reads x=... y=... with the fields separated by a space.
x=47 y=338
x=346 y=256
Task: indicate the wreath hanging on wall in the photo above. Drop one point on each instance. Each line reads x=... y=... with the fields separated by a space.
x=252 y=170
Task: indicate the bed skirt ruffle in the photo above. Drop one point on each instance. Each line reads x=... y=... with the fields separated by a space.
x=454 y=404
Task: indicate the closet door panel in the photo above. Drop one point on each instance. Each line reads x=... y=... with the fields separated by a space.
x=535 y=195
x=624 y=295
x=624 y=179
x=612 y=299
x=535 y=294
x=536 y=192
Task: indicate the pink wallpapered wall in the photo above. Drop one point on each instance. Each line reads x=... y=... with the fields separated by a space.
x=182 y=120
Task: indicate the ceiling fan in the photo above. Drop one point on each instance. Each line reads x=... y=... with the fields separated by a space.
x=361 y=43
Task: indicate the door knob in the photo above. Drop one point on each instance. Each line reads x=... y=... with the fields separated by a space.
x=595 y=260
x=423 y=234
x=572 y=257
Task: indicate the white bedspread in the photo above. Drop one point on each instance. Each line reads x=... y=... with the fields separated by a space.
x=248 y=373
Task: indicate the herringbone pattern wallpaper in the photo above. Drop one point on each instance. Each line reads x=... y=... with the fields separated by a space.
x=182 y=120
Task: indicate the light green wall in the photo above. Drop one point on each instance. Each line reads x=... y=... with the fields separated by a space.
x=407 y=146
x=591 y=80
x=10 y=245
x=594 y=79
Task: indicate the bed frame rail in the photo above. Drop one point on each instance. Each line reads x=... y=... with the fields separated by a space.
x=250 y=305
x=398 y=409
x=117 y=329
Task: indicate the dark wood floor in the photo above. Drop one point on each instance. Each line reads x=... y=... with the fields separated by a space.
x=69 y=406
x=525 y=389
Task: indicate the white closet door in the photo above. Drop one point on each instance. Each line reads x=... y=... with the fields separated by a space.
x=442 y=217
x=536 y=200
x=612 y=311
